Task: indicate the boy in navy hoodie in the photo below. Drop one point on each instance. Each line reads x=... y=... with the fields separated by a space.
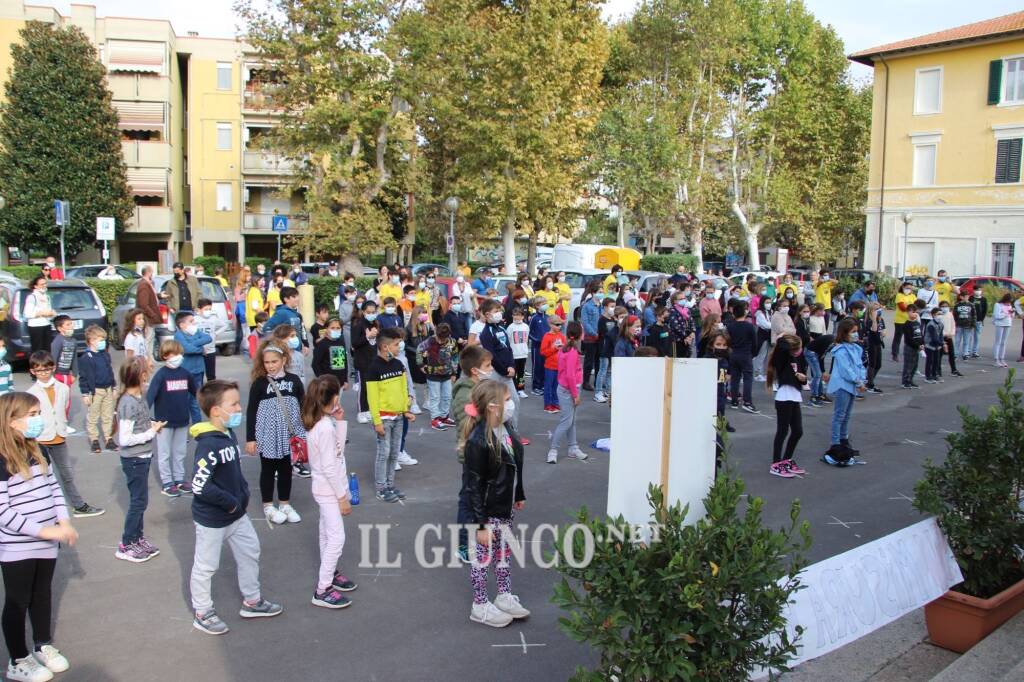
x=390 y=315
x=538 y=328
x=192 y=340
x=218 y=510
x=96 y=381
x=170 y=395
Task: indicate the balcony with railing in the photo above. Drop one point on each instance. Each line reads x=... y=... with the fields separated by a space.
x=266 y=163
x=258 y=98
x=146 y=153
x=149 y=219
x=260 y=223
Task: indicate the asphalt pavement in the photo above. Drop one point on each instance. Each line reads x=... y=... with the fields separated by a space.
x=120 y=621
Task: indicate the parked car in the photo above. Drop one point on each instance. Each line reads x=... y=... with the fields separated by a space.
x=209 y=288
x=857 y=274
x=442 y=270
x=969 y=283
x=71 y=297
x=646 y=281
x=759 y=276
x=719 y=282
x=87 y=271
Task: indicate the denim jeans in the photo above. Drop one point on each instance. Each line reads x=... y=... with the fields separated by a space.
x=976 y=338
x=193 y=402
x=136 y=475
x=537 y=373
x=439 y=397
x=551 y=387
x=602 y=376
x=813 y=372
x=387 y=453
x=842 y=407
x=964 y=337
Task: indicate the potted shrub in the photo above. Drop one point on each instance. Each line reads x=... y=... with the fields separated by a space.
x=976 y=498
x=702 y=601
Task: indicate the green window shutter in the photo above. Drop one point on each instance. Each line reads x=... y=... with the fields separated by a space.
x=1008 y=157
x=995 y=80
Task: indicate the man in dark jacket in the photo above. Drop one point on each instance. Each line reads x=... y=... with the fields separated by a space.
x=220 y=496
x=182 y=290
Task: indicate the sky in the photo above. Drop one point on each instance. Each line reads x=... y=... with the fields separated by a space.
x=861 y=23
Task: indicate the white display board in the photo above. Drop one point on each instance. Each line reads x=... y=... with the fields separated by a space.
x=663 y=432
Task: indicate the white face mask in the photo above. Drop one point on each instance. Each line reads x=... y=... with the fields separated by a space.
x=509 y=410
x=49 y=382
x=174 y=361
x=784 y=310
x=495 y=317
x=191 y=329
x=389 y=310
x=350 y=297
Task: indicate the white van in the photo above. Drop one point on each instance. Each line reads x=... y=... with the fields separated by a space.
x=575 y=256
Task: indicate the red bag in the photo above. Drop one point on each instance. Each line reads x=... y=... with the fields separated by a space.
x=296 y=444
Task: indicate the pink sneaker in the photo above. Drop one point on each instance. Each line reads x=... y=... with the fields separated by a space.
x=780 y=469
x=794 y=467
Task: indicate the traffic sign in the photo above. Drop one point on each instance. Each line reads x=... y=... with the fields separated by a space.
x=449 y=243
x=279 y=223
x=61 y=212
x=104 y=229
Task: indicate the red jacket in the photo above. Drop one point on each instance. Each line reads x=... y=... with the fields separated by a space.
x=549 y=350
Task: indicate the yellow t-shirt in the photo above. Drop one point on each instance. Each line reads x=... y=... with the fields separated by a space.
x=908 y=300
x=273 y=299
x=823 y=294
x=423 y=298
x=563 y=290
x=945 y=292
x=389 y=290
x=465 y=272
x=550 y=297
x=608 y=281
x=784 y=287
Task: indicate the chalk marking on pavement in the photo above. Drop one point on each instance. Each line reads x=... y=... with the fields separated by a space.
x=902 y=496
x=844 y=524
x=522 y=644
x=381 y=574
x=914 y=442
x=945 y=431
x=546 y=433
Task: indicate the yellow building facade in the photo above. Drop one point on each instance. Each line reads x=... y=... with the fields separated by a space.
x=191 y=110
x=945 y=187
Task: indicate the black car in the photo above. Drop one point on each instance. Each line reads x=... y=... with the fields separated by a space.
x=71 y=297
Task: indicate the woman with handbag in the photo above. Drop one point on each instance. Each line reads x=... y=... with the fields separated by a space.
x=274 y=427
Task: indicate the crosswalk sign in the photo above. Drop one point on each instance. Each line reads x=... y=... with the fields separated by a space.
x=279 y=223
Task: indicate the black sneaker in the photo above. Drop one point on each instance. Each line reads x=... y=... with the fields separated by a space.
x=734 y=405
x=301 y=470
x=908 y=385
x=749 y=407
x=729 y=428
x=111 y=445
x=386 y=496
x=341 y=583
x=397 y=493
x=957 y=373
x=824 y=398
x=875 y=390
x=94 y=446
x=913 y=385
x=87 y=510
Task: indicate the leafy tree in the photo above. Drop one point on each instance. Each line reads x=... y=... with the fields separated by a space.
x=504 y=95
x=342 y=120
x=59 y=139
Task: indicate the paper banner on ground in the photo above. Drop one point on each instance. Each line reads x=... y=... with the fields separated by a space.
x=851 y=594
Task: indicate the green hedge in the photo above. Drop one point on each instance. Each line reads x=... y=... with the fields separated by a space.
x=326 y=288
x=253 y=261
x=209 y=263
x=668 y=262
x=108 y=290
x=23 y=271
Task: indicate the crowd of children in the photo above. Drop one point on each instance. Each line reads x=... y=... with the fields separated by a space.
x=473 y=351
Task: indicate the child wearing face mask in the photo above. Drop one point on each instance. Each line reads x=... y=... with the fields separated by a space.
x=170 y=394
x=209 y=324
x=390 y=316
x=193 y=341
x=786 y=374
x=681 y=322
x=330 y=355
x=538 y=328
x=569 y=378
x=552 y=343
x=287 y=337
x=96 y=381
x=949 y=336
x=53 y=398
x=519 y=332
x=980 y=311
x=496 y=340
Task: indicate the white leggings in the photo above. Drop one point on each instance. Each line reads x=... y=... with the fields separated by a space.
x=999 y=347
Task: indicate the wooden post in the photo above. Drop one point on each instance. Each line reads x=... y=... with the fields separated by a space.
x=666 y=428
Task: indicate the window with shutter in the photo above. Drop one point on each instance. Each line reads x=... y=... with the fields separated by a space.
x=995 y=80
x=1008 y=158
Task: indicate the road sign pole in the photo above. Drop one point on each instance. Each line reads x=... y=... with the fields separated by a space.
x=66 y=218
x=106 y=253
x=278 y=247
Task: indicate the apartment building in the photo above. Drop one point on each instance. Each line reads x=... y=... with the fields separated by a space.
x=944 y=189
x=191 y=112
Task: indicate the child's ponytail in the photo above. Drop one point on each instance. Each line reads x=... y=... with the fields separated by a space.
x=484 y=395
x=573 y=334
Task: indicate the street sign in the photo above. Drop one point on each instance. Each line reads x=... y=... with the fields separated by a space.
x=104 y=229
x=279 y=224
x=782 y=261
x=60 y=212
x=449 y=243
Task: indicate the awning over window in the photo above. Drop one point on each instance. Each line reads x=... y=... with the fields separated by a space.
x=148 y=182
x=138 y=56
x=141 y=115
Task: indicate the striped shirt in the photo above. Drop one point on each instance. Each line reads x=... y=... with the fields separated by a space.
x=5 y=378
x=26 y=507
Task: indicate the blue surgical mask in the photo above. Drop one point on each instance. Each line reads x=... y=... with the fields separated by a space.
x=293 y=342
x=370 y=317
x=854 y=337
x=234 y=420
x=101 y=345
x=3 y=352
x=334 y=334
x=33 y=427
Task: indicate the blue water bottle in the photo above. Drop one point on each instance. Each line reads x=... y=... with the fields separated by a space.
x=353 y=488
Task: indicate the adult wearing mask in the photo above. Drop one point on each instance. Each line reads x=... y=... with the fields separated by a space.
x=56 y=274
x=612 y=278
x=680 y=278
x=182 y=290
x=709 y=305
x=590 y=316
x=298 y=276
x=332 y=269
x=681 y=323
x=782 y=321
x=564 y=296
x=483 y=282
x=905 y=298
x=866 y=294
x=930 y=297
x=788 y=285
x=39 y=313
x=262 y=277
x=823 y=293
x=945 y=289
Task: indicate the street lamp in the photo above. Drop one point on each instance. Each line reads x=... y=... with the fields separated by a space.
x=452 y=204
x=908 y=218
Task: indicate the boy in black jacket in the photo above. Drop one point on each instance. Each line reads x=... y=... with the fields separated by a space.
x=741 y=362
x=96 y=381
x=913 y=338
x=658 y=334
x=964 y=316
x=218 y=509
x=495 y=339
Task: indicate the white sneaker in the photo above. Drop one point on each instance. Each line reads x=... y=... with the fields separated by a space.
x=415 y=409
x=488 y=614
x=576 y=453
x=72 y=429
x=28 y=669
x=398 y=467
x=600 y=398
x=524 y=394
x=273 y=514
x=509 y=603
x=289 y=513
x=404 y=458
x=54 y=660
x=552 y=456
x=363 y=417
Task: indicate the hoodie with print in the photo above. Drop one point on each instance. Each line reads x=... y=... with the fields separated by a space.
x=220 y=493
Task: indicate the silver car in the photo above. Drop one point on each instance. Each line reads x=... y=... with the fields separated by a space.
x=209 y=287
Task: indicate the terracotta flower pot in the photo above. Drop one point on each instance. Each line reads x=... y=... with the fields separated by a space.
x=958 y=621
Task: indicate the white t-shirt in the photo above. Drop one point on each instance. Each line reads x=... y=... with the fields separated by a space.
x=136 y=343
x=35 y=303
x=787 y=394
x=477 y=328
x=519 y=335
